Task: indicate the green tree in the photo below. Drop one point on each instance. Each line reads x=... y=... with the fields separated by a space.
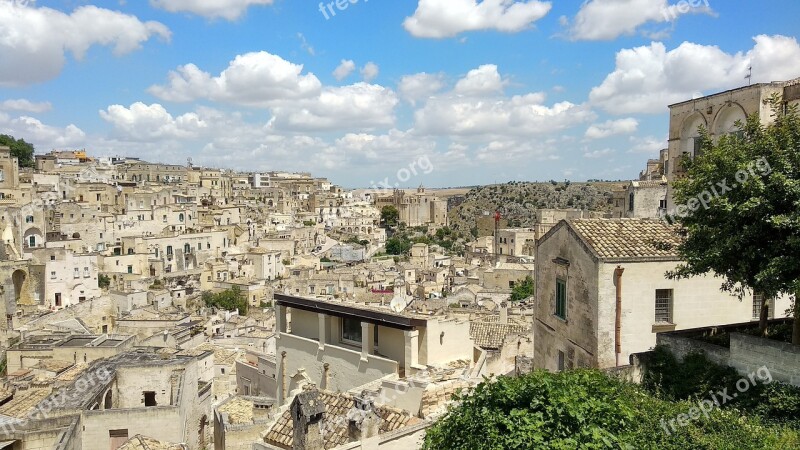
x=397 y=246
x=740 y=209
x=522 y=290
x=228 y=300
x=103 y=281
x=390 y=215
x=22 y=150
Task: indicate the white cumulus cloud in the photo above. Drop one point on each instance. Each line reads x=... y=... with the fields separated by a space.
x=34 y=41
x=254 y=79
x=212 y=9
x=370 y=71
x=612 y=128
x=148 y=122
x=345 y=68
x=648 y=78
x=420 y=86
x=609 y=19
x=448 y=18
x=25 y=105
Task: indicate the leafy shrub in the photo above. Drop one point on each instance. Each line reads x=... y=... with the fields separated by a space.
x=586 y=409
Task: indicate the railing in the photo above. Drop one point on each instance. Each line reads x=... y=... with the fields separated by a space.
x=204 y=389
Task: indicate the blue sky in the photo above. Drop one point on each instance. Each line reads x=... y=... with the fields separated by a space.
x=482 y=92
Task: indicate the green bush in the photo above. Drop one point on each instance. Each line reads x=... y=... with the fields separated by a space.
x=586 y=409
x=693 y=378
x=228 y=300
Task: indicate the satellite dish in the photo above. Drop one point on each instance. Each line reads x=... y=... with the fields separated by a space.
x=398 y=304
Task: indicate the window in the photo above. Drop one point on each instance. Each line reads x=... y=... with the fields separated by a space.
x=663 y=305
x=76 y=273
x=758 y=302
x=351 y=331
x=28 y=219
x=169 y=250
x=561 y=299
x=53 y=275
x=560 y=361
x=149 y=398
x=130 y=269
x=58 y=298
x=698 y=146
x=86 y=272
x=630 y=201
x=2 y=175
x=52 y=257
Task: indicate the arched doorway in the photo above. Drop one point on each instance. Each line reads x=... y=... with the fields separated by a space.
x=108 y=401
x=18 y=278
x=201 y=432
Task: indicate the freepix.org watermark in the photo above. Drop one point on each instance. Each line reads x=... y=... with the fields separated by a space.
x=88 y=381
x=716 y=400
x=672 y=12
x=759 y=167
x=422 y=165
x=330 y=8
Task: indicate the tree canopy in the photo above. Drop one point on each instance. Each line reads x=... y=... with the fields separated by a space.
x=740 y=208
x=20 y=149
x=390 y=215
x=228 y=300
x=523 y=289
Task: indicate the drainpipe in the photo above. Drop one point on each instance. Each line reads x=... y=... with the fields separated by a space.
x=618 y=322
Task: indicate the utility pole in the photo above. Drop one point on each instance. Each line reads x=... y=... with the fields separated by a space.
x=496 y=238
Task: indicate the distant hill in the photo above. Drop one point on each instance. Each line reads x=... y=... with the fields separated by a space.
x=518 y=203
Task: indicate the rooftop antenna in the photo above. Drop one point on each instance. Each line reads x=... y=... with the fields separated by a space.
x=749 y=75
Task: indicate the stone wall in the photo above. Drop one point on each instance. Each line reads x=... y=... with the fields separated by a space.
x=680 y=346
x=749 y=353
x=746 y=354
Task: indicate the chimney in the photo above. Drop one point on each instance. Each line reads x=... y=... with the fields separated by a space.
x=504 y=313
x=307 y=412
x=362 y=421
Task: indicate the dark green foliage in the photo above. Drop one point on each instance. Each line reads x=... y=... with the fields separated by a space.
x=22 y=150
x=389 y=216
x=397 y=246
x=695 y=376
x=103 y=281
x=523 y=289
x=228 y=300
x=586 y=409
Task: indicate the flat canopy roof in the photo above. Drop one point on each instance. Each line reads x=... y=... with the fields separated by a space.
x=366 y=314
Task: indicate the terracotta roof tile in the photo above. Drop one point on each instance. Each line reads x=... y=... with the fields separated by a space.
x=337 y=405
x=628 y=238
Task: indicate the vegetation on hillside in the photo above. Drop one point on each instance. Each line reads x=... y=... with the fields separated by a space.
x=586 y=409
x=401 y=241
x=518 y=202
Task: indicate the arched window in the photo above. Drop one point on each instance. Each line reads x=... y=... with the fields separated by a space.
x=181 y=217
x=28 y=219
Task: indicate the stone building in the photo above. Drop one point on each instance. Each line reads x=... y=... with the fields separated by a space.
x=597 y=276
x=719 y=113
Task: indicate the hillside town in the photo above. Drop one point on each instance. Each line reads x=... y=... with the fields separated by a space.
x=158 y=306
